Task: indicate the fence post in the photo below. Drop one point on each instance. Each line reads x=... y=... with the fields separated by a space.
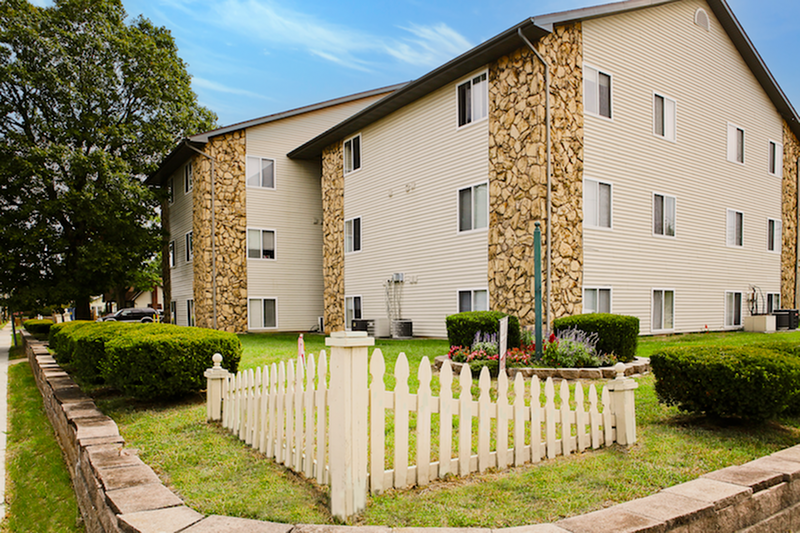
x=623 y=405
x=349 y=399
x=214 y=379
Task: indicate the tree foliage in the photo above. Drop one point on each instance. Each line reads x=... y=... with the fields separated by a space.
x=89 y=105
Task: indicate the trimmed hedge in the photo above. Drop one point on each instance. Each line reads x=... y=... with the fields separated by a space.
x=618 y=334
x=166 y=362
x=145 y=361
x=38 y=326
x=462 y=327
x=749 y=382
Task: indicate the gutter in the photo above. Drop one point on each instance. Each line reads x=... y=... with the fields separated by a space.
x=549 y=211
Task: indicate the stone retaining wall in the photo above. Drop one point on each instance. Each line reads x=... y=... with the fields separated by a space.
x=117 y=492
x=640 y=365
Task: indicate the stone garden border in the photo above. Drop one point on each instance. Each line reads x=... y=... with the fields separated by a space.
x=117 y=492
x=639 y=365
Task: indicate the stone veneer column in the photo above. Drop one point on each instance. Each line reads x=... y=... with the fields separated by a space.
x=333 y=236
x=791 y=152
x=228 y=152
x=518 y=174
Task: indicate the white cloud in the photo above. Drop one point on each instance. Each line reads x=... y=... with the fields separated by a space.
x=220 y=88
x=432 y=46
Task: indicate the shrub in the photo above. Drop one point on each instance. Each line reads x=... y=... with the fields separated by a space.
x=38 y=326
x=750 y=382
x=462 y=327
x=166 y=361
x=618 y=334
x=87 y=347
x=60 y=339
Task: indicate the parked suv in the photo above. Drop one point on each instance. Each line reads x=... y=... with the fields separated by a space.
x=132 y=314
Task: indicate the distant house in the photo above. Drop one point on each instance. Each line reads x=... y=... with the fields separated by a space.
x=245 y=222
x=666 y=188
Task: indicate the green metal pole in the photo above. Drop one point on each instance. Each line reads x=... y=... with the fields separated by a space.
x=537 y=277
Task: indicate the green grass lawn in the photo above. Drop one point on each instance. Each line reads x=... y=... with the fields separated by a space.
x=39 y=494
x=215 y=473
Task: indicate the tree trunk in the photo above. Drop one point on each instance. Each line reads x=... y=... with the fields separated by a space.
x=82 y=308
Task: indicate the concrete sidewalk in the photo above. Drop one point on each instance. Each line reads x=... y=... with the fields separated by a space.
x=5 y=344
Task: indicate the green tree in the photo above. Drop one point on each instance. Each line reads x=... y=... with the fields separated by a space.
x=89 y=105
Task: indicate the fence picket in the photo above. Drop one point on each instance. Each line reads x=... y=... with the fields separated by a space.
x=281 y=400
x=263 y=431
x=484 y=420
x=502 y=420
x=401 y=408
x=272 y=435
x=608 y=428
x=465 y=421
x=288 y=451
x=581 y=439
x=566 y=419
x=377 y=391
x=594 y=417
x=536 y=420
x=254 y=426
x=238 y=404
x=519 y=420
x=299 y=396
x=226 y=406
x=424 y=422
x=308 y=463
x=322 y=417
x=445 y=417
x=550 y=417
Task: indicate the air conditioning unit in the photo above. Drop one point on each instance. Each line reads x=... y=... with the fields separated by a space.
x=382 y=328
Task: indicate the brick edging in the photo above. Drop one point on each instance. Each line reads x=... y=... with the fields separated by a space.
x=117 y=492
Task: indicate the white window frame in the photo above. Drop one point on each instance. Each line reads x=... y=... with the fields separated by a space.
x=190 y=318
x=596 y=223
x=663 y=309
x=173 y=312
x=249 y=159
x=261 y=300
x=171 y=253
x=730 y=234
x=597 y=289
x=775 y=157
x=261 y=244
x=473 y=205
x=188 y=178
x=771 y=297
x=477 y=100
x=352 y=299
x=350 y=244
x=590 y=100
x=664 y=215
x=741 y=309
x=188 y=240
x=171 y=190
x=668 y=121
x=349 y=166
x=733 y=142
x=472 y=299
x=776 y=234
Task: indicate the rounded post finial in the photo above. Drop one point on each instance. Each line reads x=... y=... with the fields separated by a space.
x=217 y=358
x=619 y=368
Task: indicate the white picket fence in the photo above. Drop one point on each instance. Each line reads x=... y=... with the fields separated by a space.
x=283 y=411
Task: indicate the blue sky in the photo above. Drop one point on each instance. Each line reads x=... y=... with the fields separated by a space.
x=250 y=58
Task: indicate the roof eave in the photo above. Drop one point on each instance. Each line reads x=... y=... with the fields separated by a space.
x=176 y=158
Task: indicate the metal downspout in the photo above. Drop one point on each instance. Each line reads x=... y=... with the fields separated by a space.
x=548 y=229
x=213 y=240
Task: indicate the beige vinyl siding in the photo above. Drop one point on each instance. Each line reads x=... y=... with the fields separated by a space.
x=180 y=222
x=406 y=193
x=660 y=49
x=294 y=211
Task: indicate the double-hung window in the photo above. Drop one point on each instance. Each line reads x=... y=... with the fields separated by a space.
x=171 y=253
x=352 y=310
x=733 y=309
x=773 y=235
x=735 y=228
x=190 y=321
x=352 y=154
x=171 y=191
x=663 y=215
x=473 y=207
x=596 y=300
x=260 y=244
x=735 y=144
x=773 y=302
x=663 y=310
x=263 y=313
x=189 y=247
x=352 y=235
x=188 y=178
x=665 y=117
x=260 y=172
x=173 y=312
x=473 y=100
x=473 y=300
x=596 y=204
x=775 y=162
x=597 y=92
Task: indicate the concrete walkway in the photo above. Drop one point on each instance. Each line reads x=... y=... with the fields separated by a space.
x=5 y=344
